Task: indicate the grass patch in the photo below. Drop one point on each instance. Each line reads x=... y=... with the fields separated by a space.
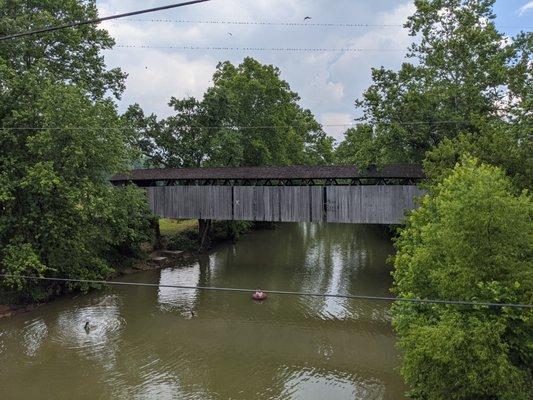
x=169 y=227
x=183 y=234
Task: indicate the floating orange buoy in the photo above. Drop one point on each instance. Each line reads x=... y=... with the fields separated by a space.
x=259 y=295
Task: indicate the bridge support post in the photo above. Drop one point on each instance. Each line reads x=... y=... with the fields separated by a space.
x=154 y=225
x=204 y=230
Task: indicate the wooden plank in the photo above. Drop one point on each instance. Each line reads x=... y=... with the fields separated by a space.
x=274 y=196
x=243 y=203
x=317 y=203
x=152 y=200
x=295 y=204
x=213 y=202
x=256 y=203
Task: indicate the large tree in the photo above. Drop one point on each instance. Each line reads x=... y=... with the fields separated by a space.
x=67 y=55
x=469 y=240
x=249 y=116
x=60 y=140
x=463 y=76
x=467 y=91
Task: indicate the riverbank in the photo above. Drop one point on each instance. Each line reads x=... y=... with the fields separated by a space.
x=180 y=241
x=155 y=260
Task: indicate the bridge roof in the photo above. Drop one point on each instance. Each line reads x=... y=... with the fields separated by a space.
x=391 y=171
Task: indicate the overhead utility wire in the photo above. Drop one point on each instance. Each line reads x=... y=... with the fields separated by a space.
x=98 y=20
x=280 y=292
x=244 y=127
x=264 y=23
x=231 y=48
x=289 y=23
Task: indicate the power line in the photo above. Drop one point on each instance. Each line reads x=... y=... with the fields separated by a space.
x=264 y=23
x=451 y=122
x=280 y=292
x=289 y=23
x=98 y=20
x=272 y=49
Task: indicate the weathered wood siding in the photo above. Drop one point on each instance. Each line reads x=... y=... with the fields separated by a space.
x=369 y=204
x=208 y=202
x=256 y=203
x=349 y=204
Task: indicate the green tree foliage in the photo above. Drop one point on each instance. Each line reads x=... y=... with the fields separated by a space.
x=60 y=141
x=498 y=143
x=249 y=116
x=466 y=83
x=358 y=147
x=67 y=55
x=470 y=240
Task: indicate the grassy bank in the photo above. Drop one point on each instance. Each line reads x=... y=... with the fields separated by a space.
x=183 y=234
x=169 y=227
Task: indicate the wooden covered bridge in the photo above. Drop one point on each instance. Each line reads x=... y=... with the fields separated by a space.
x=286 y=194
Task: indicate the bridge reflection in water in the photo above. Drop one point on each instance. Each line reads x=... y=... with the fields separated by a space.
x=284 y=194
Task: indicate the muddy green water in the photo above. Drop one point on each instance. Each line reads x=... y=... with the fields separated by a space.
x=146 y=343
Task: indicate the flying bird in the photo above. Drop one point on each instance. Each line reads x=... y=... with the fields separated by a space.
x=307 y=18
x=230 y=34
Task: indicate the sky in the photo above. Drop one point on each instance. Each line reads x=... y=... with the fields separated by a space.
x=327 y=82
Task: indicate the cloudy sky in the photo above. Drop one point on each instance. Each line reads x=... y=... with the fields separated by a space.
x=327 y=82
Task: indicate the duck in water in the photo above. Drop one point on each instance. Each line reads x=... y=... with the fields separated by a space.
x=88 y=327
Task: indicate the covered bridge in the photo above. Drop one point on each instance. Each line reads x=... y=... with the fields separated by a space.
x=287 y=194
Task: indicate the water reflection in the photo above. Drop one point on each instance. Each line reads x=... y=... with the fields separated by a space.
x=33 y=336
x=307 y=383
x=180 y=299
x=147 y=345
x=2 y=344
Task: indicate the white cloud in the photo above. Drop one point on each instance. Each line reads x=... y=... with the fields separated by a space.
x=154 y=77
x=525 y=8
x=328 y=83
x=340 y=119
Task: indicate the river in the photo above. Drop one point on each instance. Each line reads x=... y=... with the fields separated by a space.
x=160 y=343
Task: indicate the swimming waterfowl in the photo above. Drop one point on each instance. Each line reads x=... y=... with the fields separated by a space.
x=88 y=327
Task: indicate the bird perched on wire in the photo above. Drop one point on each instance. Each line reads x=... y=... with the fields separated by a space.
x=307 y=18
